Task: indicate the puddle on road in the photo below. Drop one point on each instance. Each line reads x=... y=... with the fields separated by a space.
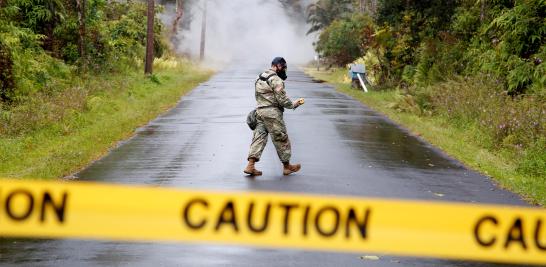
x=378 y=141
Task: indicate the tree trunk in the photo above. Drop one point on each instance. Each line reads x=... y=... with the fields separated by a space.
x=150 y=39
x=49 y=27
x=7 y=82
x=80 y=4
x=203 y=33
x=361 y=6
x=179 y=14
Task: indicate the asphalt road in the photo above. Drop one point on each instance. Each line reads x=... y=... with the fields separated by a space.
x=344 y=148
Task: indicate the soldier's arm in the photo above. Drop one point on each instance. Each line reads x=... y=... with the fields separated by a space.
x=280 y=94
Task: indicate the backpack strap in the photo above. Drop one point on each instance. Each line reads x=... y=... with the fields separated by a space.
x=266 y=78
x=261 y=77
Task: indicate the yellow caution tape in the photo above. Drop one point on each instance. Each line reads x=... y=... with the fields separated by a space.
x=275 y=220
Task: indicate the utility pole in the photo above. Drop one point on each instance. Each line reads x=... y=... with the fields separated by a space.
x=80 y=4
x=150 y=39
x=203 y=33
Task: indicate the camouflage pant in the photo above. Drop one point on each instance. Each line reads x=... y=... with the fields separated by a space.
x=270 y=121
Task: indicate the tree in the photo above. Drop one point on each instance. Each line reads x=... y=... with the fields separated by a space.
x=429 y=15
x=324 y=12
x=520 y=48
x=150 y=38
x=346 y=39
x=179 y=15
x=6 y=74
x=294 y=8
x=42 y=17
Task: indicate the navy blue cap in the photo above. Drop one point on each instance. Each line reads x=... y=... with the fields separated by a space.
x=279 y=60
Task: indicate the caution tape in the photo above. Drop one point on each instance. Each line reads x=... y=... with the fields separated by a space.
x=274 y=220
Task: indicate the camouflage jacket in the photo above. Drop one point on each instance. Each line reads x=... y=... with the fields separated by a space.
x=270 y=91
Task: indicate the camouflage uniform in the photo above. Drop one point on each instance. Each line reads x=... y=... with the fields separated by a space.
x=271 y=101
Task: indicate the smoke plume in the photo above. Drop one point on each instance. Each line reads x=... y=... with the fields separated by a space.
x=252 y=31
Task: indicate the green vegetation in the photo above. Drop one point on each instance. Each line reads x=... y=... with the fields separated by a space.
x=323 y=12
x=72 y=82
x=417 y=43
x=521 y=171
x=44 y=43
x=55 y=135
x=468 y=75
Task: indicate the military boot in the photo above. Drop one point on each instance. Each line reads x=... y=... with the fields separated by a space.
x=250 y=169
x=288 y=169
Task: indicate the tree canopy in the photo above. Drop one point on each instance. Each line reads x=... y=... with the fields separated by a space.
x=420 y=42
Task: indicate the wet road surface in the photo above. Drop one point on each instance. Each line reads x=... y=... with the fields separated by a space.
x=344 y=147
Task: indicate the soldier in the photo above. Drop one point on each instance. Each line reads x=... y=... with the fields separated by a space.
x=271 y=101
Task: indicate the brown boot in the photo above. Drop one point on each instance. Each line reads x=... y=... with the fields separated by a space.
x=288 y=169
x=250 y=169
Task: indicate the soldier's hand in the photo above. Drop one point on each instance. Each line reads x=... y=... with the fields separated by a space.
x=299 y=102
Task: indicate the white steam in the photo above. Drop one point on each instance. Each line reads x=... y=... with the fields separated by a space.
x=245 y=31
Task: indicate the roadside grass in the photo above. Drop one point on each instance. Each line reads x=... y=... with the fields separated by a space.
x=462 y=141
x=111 y=108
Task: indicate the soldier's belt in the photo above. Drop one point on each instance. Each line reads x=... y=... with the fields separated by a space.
x=268 y=107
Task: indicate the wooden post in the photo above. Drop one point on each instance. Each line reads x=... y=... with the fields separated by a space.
x=203 y=33
x=150 y=39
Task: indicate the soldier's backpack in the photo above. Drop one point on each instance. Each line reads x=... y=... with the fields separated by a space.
x=251 y=120
x=251 y=117
x=266 y=78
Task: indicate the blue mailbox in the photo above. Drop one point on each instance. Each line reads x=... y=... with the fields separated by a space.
x=357 y=74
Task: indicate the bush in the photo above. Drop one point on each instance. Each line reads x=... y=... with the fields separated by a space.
x=6 y=74
x=511 y=122
x=345 y=40
x=534 y=160
x=512 y=47
x=516 y=124
x=423 y=42
x=39 y=44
